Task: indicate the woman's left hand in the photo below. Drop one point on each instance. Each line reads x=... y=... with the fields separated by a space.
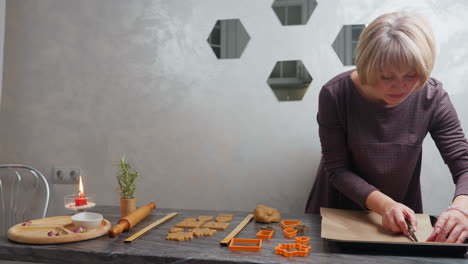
x=451 y=227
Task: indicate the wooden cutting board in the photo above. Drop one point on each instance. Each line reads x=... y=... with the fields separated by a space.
x=37 y=231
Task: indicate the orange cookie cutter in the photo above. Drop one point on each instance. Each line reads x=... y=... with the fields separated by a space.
x=285 y=224
x=303 y=240
x=265 y=234
x=245 y=244
x=292 y=250
x=290 y=232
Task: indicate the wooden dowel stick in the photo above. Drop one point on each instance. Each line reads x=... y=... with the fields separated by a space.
x=227 y=239
x=149 y=227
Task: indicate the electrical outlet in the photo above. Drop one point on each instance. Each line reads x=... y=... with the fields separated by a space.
x=66 y=175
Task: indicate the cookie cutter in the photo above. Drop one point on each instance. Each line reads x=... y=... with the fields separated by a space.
x=285 y=224
x=290 y=232
x=302 y=240
x=265 y=234
x=292 y=250
x=301 y=229
x=245 y=244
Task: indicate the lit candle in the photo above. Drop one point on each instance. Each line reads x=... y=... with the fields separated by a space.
x=80 y=201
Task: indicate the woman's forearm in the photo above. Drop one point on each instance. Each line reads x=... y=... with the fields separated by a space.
x=461 y=202
x=379 y=202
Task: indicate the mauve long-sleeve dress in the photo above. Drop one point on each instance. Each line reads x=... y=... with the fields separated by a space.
x=367 y=147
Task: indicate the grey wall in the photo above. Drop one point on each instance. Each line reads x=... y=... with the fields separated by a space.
x=2 y=40
x=86 y=82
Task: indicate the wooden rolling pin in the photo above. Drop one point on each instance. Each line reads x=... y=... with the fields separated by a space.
x=129 y=221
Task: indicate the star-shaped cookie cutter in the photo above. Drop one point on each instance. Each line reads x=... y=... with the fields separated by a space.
x=292 y=250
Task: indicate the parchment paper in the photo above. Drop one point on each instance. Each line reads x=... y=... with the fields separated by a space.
x=349 y=225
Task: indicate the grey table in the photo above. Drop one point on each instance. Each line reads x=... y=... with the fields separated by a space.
x=154 y=248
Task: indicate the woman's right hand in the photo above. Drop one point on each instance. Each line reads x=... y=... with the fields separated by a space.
x=393 y=218
x=393 y=213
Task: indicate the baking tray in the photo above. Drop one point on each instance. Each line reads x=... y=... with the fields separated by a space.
x=406 y=249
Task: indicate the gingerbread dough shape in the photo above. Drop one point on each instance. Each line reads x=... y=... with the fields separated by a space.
x=198 y=232
x=180 y=236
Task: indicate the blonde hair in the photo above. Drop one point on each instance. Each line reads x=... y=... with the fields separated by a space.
x=397 y=40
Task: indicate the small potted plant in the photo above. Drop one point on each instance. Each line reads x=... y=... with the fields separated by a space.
x=126 y=180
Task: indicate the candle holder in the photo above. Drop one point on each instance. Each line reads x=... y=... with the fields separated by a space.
x=70 y=202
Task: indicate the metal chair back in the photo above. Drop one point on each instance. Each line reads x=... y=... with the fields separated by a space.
x=24 y=195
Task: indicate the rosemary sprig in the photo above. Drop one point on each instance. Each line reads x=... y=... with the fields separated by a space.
x=126 y=180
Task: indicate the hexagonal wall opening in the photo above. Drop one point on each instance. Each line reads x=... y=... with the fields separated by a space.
x=346 y=42
x=294 y=12
x=228 y=39
x=289 y=80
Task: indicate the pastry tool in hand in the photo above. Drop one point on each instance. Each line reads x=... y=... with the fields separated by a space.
x=411 y=230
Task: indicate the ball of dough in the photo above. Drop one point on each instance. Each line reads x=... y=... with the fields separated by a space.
x=264 y=214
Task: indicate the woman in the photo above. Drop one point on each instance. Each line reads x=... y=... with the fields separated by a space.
x=372 y=123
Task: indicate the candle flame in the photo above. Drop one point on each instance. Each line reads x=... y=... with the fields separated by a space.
x=80 y=189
